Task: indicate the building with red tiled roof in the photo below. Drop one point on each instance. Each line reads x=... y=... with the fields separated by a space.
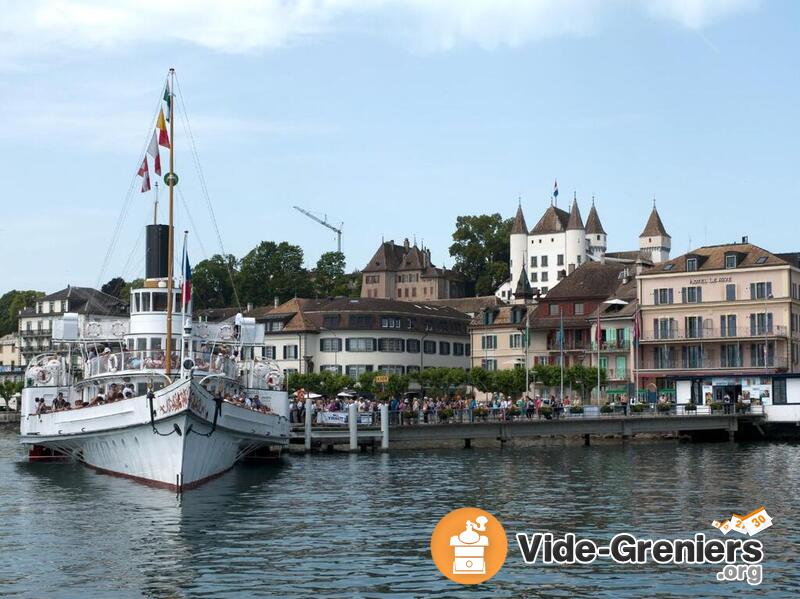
x=405 y=272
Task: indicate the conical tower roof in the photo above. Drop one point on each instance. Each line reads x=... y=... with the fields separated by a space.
x=593 y=224
x=575 y=221
x=654 y=226
x=523 y=290
x=519 y=225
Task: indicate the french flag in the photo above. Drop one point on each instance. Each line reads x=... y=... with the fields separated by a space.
x=186 y=289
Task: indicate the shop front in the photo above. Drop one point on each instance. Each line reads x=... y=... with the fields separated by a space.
x=707 y=390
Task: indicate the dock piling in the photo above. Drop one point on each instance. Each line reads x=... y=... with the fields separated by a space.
x=384 y=427
x=352 y=421
x=309 y=419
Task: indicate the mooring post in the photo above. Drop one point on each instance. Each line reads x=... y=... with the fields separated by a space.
x=586 y=439
x=352 y=421
x=384 y=427
x=309 y=418
x=467 y=443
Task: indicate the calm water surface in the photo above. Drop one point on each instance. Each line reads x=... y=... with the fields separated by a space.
x=359 y=526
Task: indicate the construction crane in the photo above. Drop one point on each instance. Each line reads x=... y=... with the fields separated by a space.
x=324 y=222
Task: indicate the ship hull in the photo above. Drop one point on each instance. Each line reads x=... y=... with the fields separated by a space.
x=181 y=448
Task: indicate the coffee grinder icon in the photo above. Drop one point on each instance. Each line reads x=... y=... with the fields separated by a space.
x=469 y=548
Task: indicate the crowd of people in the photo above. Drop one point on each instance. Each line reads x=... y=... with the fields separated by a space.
x=243 y=400
x=422 y=408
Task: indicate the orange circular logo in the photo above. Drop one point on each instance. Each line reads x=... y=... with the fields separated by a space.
x=469 y=545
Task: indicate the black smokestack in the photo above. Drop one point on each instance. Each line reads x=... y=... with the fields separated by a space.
x=157 y=252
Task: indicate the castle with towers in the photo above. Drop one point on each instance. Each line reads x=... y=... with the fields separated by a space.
x=560 y=242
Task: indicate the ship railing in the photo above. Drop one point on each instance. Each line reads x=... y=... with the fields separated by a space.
x=124 y=361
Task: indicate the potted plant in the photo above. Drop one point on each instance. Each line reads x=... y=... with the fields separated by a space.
x=546 y=411
x=606 y=408
x=742 y=407
x=410 y=415
x=576 y=409
x=691 y=407
x=664 y=407
x=445 y=414
x=481 y=412
x=637 y=408
x=715 y=406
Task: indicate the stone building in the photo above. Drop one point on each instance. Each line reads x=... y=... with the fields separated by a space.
x=405 y=272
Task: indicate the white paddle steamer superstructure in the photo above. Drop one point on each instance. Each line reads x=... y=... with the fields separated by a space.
x=154 y=397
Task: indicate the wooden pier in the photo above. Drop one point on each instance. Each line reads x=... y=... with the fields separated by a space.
x=520 y=427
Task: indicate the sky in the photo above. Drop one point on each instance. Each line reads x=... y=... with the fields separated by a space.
x=393 y=117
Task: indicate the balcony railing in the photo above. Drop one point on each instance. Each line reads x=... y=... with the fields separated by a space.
x=154 y=360
x=679 y=334
x=569 y=345
x=713 y=364
x=612 y=345
x=613 y=374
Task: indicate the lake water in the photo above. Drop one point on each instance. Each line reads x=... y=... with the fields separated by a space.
x=359 y=525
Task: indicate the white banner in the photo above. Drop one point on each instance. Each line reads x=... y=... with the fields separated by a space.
x=341 y=418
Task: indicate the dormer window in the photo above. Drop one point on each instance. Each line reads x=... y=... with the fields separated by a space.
x=488 y=317
x=730 y=260
x=691 y=264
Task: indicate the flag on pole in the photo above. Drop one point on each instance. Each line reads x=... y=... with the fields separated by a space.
x=598 y=333
x=163 y=138
x=555 y=190
x=186 y=290
x=168 y=101
x=144 y=173
x=152 y=149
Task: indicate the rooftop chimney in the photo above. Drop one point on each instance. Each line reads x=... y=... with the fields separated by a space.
x=249 y=306
x=275 y=301
x=744 y=238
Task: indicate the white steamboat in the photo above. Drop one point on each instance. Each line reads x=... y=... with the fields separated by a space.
x=157 y=397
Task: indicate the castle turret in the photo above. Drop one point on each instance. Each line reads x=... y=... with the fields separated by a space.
x=596 y=239
x=654 y=240
x=518 y=243
x=575 y=250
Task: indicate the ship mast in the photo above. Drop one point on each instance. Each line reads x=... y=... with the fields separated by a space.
x=170 y=180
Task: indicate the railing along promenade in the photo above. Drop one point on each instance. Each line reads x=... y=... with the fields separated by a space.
x=506 y=424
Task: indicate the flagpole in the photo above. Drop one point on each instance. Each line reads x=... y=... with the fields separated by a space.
x=599 y=338
x=170 y=249
x=155 y=206
x=183 y=302
x=561 y=348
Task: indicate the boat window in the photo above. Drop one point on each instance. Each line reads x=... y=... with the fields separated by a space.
x=155 y=343
x=141 y=343
x=136 y=302
x=159 y=302
x=146 y=302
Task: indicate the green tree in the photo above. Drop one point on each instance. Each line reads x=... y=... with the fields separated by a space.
x=480 y=379
x=366 y=381
x=273 y=270
x=330 y=279
x=354 y=281
x=125 y=292
x=211 y=282
x=10 y=305
x=481 y=250
x=115 y=287
x=8 y=389
x=397 y=385
x=584 y=378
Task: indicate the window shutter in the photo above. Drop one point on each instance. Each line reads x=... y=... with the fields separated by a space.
x=752 y=324
x=683 y=295
x=655 y=329
x=752 y=291
x=699 y=294
x=670 y=295
x=769 y=289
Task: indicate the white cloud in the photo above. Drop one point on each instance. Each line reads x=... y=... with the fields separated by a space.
x=697 y=14
x=49 y=27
